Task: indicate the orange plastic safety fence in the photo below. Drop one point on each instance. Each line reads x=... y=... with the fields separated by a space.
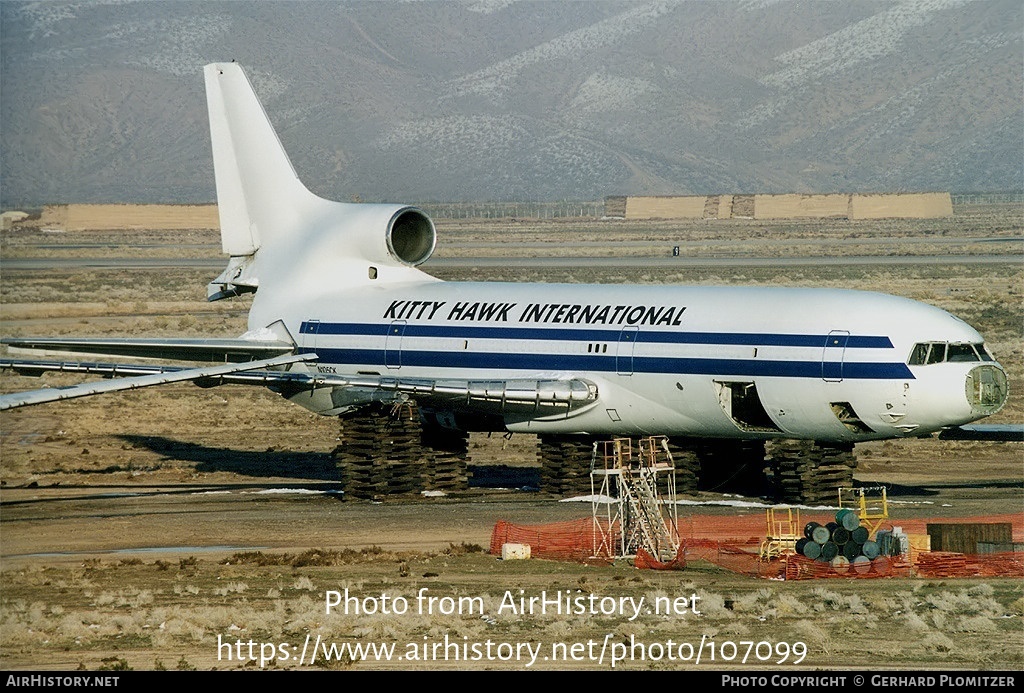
x=571 y=540
x=646 y=560
x=803 y=568
x=733 y=543
x=941 y=564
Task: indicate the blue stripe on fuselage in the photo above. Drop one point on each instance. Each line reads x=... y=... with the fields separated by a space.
x=580 y=363
x=568 y=334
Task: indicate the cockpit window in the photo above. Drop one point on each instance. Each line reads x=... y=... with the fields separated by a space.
x=937 y=353
x=919 y=355
x=959 y=353
x=926 y=353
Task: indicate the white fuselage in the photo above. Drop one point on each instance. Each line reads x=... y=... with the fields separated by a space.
x=666 y=360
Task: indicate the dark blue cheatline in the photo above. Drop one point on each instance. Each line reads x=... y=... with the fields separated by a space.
x=569 y=334
x=581 y=363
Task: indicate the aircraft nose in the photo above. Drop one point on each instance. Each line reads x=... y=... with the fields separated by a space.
x=986 y=388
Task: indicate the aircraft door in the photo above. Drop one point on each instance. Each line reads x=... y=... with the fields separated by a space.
x=310 y=329
x=393 y=344
x=627 y=346
x=832 y=356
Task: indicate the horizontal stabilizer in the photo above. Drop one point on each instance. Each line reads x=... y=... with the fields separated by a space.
x=209 y=350
x=161 y=375
x=239 y=278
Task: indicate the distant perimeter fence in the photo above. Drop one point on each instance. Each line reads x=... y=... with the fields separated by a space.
x=514 y=210
x=988 y=198
x=711 y=207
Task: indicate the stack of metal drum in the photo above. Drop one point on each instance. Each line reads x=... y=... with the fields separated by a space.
x=844 y=543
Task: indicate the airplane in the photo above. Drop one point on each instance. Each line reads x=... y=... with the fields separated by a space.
x=344 y=318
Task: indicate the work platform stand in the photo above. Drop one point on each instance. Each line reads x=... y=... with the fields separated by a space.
x=871 y=503
x=634 y=504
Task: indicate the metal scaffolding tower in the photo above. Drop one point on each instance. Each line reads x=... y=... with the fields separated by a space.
x=634 y=504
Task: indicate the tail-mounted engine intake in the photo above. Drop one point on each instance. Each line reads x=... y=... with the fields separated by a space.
x=411 y=236
x=381 y=234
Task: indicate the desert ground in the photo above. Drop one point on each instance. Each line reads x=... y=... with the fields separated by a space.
x=183 y=528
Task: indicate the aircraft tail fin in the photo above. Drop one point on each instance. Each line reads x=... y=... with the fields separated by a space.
x=258 y=191
x=276 y=231
x=255 y=179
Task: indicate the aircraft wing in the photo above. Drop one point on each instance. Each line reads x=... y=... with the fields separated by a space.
x=150 y=375
x=521 y=398
x=529 y=398
x=214 y=350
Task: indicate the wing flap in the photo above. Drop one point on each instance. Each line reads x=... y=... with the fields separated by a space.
x=518 y=397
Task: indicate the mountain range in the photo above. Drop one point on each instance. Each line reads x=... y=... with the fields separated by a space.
x=439 y=100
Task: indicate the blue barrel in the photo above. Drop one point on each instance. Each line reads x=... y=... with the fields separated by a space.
x=870 y=549
x=841 y=564
x=829 y=550
x=848 y=519
x=851 y=549
x=812 y=550
x=861 y=565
